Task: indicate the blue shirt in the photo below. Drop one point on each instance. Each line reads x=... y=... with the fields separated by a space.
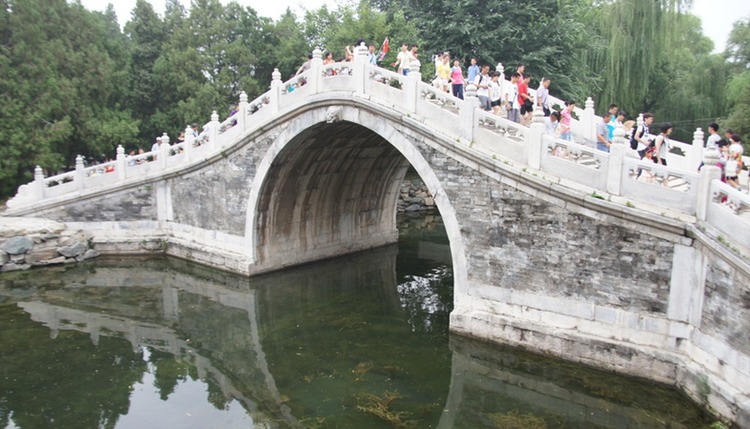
x=473 y=72
x=611 y=125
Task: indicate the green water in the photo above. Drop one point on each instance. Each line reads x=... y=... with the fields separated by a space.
x=356 y=342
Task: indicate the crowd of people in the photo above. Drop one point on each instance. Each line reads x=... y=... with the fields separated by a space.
x=730 y=153
x=514 y=100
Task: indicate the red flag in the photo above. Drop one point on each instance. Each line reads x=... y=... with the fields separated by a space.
x=384 y=49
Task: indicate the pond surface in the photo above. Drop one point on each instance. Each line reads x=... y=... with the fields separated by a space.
x=356 y=342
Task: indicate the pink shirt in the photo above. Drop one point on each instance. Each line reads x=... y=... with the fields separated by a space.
x=457 y=76
x=565 y=118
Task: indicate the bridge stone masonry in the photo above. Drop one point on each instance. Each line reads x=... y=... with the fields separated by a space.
x=572 y=256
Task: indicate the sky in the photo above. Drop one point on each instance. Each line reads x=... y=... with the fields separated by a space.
x=717 y=15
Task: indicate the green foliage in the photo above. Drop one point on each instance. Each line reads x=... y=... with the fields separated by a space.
x=546 y=35
x=738 y=45
x=60 y=87
x=688 y=89
x=738 y=96
x=334 y=30
x=638 y=32
x=738 y=87
x=657 y=60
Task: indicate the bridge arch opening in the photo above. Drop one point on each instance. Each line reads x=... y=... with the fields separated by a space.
x=331 y=190
x=328 y=189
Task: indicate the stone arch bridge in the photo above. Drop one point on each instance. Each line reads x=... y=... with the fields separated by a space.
x=570 y=255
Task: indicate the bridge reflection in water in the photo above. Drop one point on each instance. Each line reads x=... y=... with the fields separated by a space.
x=317 y=346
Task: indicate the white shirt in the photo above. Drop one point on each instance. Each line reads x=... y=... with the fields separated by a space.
x=550 y=128
x=404 y=59
x=730 y=167
x=482 y=82
x=542 y=95
x=494 y=91
x=713 y=139
x=514 y=95
x=736 y=148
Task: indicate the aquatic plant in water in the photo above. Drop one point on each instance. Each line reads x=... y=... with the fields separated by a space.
x=516 y=420
x=382 y=407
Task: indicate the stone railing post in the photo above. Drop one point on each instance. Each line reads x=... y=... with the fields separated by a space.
x=241 y=112
x=535 y=139
x=361 y=59
x=588 y=121
x=617 y=152
x=639 y=121
x=315 y=71
x=189 y=142
x=213 y=131
x=274 y=98
x=411 y=89
x=709 y=172
x=696 y=150
x=80 y=175
x=38 y=183
x=121 y=163
x=499 y=68
x=163 y=150
x=467 y=111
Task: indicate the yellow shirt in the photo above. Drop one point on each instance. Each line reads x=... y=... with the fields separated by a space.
x=443 y=71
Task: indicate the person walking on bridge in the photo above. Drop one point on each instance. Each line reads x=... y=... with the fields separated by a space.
x=542 y=96
x=566 y=121
x=661 y=143
x=713 y=135
x=603 y=141
x=457 y=80
x=483 y=88
x=642 y=136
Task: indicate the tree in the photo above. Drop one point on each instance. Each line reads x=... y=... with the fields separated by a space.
x=738 y=45
x=60 y=87
x=640 y=33
x=543 y=34
x=147 y=34
x=335 y=30
x=286 y=48
x=738 y=87
x=688 y=89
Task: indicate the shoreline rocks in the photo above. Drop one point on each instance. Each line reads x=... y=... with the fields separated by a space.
x=414 y=196
x=33 y=242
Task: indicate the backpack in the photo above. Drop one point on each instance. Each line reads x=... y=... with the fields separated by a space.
x=633 y=138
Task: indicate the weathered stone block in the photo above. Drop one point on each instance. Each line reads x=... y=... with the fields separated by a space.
x=18 y=245
x=22 y=226
x=414 y=200
x=46 y=246
x=73 y=250
x=41 y=257
x=58 y=260
x=88 y=254
x=4 y=257
x=12 y=266
x=73 y=238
